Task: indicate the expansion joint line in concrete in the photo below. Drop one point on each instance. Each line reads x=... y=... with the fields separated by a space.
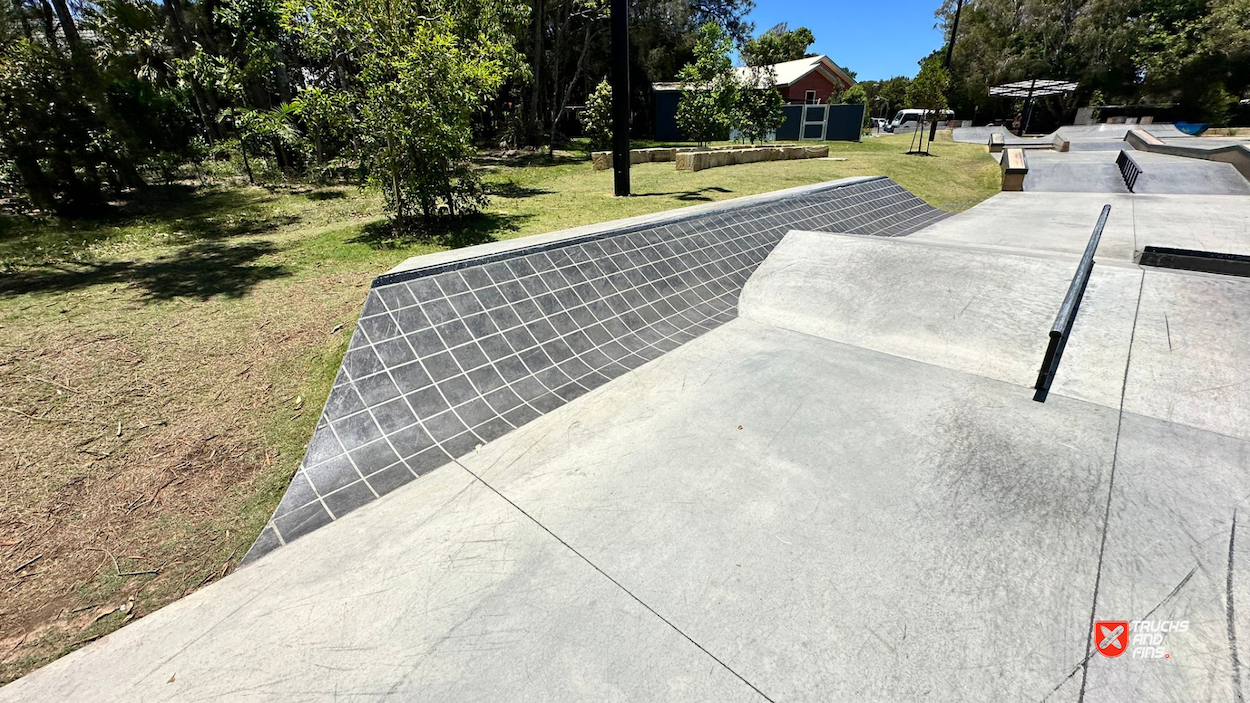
x=614 y=582
x=1106 y=517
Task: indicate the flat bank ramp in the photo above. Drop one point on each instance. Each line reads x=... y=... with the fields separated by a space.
x=982 y=311
x=451 y=355
x=1163 y=173
x=1076 y=172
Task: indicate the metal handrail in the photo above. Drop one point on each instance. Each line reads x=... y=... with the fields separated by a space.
x=1129 y=170
x=1062 y=328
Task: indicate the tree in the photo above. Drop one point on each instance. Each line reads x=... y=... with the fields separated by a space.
x=424 y=70
x=759 y=109
x=894 y=91
x=928 y=93
x=778 y=45
x=50 y=132
x=857 y=95
x=705 y=109
x=565 y=41
x=328 y=116
x=1193 y=53
x=596 y=119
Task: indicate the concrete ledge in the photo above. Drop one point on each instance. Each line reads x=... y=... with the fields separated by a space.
x=1142 y=140
x=996 y=143
x=1236 y=154
x=1014 y=168
x=1060 y=144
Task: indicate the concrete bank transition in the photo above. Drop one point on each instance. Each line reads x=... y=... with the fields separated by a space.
x=458 y=348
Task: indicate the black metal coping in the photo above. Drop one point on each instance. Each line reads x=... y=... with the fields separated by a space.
x=1195 y=260
x=449 y=357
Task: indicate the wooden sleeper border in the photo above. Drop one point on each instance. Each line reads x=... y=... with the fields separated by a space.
x=694 y=159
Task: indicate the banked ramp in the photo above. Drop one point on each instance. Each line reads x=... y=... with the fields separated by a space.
x=456 y=349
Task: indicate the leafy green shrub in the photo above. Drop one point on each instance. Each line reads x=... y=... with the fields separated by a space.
x=596 y=119
x=705 y=109
x=62 y=151
x=758 y=108
x=856 y=95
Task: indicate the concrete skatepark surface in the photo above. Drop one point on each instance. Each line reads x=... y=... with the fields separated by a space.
x=1075 y=133
x=843 y=490
x=1095 y=171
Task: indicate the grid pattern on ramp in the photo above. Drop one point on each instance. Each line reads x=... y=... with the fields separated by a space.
x=447 y=358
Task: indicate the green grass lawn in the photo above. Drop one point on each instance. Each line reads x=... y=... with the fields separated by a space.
x=161 y=371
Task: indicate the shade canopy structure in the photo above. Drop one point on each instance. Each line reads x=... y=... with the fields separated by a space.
x=1030 y=89
x=1033 y=88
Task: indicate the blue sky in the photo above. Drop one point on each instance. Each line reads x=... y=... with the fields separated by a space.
x=875 y=39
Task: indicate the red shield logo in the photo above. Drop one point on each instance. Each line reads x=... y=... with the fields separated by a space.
x=1111 y=637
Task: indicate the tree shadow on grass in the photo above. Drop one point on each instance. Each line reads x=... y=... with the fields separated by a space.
x=533 y=158
x=196 y=214
x=320 y=195
x=176 y=213
x=201 y=271
x=452 y=233
x=511 y=189
x=688 y=195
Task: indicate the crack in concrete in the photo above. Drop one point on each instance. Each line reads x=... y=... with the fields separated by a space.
x=1231 y=614
x=1106 y=520
x=616 y=583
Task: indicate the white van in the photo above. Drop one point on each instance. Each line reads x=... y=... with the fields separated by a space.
x=909 y=120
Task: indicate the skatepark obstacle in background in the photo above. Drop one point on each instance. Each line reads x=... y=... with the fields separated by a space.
x=1129 y=169
x=1236 y=154
x=1014 y=168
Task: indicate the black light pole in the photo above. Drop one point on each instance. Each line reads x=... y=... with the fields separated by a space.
x=620 y=97
x=950 y=45
x=950 y=49
x=1028 y=109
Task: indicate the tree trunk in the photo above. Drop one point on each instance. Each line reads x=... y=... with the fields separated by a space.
x=70 y=30
x=204 y=101
x=26 y=30
x=49 y=28
x=531 y=125
x=568 y=91
x=399 y=198
x=36 y=183
x=284 y=82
